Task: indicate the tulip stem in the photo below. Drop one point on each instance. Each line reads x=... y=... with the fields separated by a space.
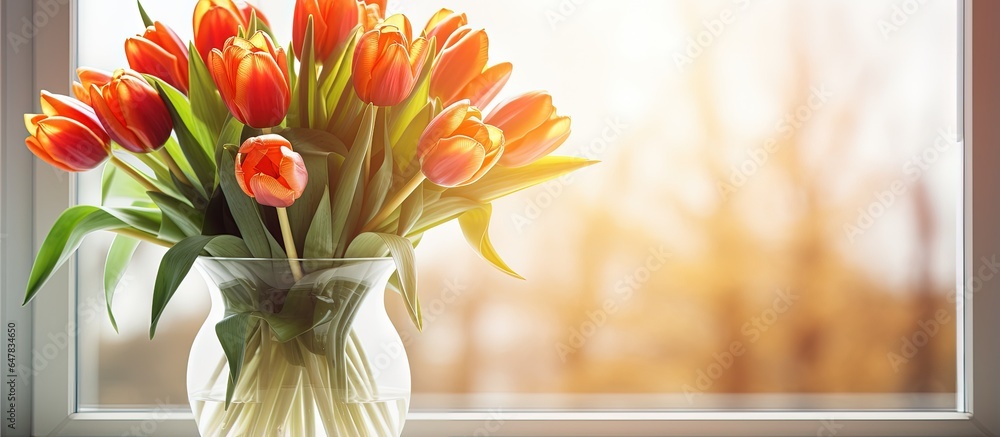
x=394 y=202
x=286 y=234
x=142 y=179
x=172 y=165
x=142 y=236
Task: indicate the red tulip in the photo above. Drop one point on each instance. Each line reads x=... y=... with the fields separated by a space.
x=217 y=20
x=252 y=80
x=460 y=70
x=67 y=134
x=88 y=77
x=457 y=148
x=530 y=126
x=386 y=63
x=132 y=112
x=268 y=170
x=161 y=53
x=333 y=21
x=441 y=25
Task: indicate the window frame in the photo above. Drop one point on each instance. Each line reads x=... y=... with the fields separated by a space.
x=48 y=64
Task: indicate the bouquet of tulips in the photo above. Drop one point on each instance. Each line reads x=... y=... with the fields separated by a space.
x=352 y=142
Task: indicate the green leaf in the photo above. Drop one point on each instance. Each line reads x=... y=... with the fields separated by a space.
x=163 y=180
x=176 y=264
x=231 y=133
x=305 y=140
x=404 y=148
x=233 y=332
x=309 y=105
x=410 y=211
x=336 y=76
x=72 y=226
x=206 y=103
x=501 y=181
x=319 y=239
x=146 y=22
x=314 y=146
x=373 y=244
x=344 y=211
x=119 y=256
x=442 y=211
x=195 y=194
x=381 y=181
x=187 y=219
x=228 y=246
x=193 y=137
x=116 y=187
x=475 y=225
x=246 y=213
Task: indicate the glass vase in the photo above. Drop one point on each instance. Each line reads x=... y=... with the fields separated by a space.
x=316 y=352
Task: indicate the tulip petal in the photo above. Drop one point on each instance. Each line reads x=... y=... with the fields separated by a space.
x=41 y=153
x=262 y=95
x=365 y=56
x=537 y=143
x=293 y=171
x=444 y=125
x=485 y=87
x=269 y=192
x=451 y=162
x=459 y=63
x=392 y=73
x=70 y=143
x=522 y=114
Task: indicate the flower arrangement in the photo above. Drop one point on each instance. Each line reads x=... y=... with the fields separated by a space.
x=351 y=142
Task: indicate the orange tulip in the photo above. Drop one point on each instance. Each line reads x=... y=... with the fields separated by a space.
x=457 y=148
x=441 y=25
x=161 y=53
x=373 y=15
x=268 y=170
x=382 y=4
x=88 y=77
x=333 y=21
x=132 y=112
x=67 y=134
x=252 y=80
x=217 y=20
x=386 y=64
x=460 y=70
x=530 y=126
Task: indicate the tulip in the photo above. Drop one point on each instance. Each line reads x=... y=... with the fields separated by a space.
x=530 y=127
x=382 y=4
x=373 y=15
x=441 y=25
x=132 y=112
x=67 y=134
x=386 y=64
x=333 y=21
x=252 y=79
x=161 y=53
x=88 y=77
x=457 y=148
x=460 y=70
x=269 y=171
x=217 y=20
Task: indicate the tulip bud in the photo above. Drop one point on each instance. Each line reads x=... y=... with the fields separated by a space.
x=457 y=148
x=161 y=53
x=268 y=170
x=460 y=70
x=441 y=25
x=252 y=80
x=132 y=112
x=88 y=77
x=386 y=64
x=333 y=21
x=373 y=15
x=217 y=20
x=67 y=134
x=530 y=127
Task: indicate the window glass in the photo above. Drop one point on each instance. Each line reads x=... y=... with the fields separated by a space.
x=773 y=224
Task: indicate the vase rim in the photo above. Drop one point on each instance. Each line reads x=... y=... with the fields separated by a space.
x=225 y=258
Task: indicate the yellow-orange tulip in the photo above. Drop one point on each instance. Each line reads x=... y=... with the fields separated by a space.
x=132 y=112
x=386 y=63
x=252 y=78
x=88 y=77
x=441 y=25
x=217 y=20
x=457 y=148
x=530 y=127
x=373 y=15
x=161 y=53
x=333 y=21
x=268 y=170
x=382 y=4
x=460 y=70
x=67 y=134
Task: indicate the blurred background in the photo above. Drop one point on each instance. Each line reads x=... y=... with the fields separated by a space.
x=776 y=212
